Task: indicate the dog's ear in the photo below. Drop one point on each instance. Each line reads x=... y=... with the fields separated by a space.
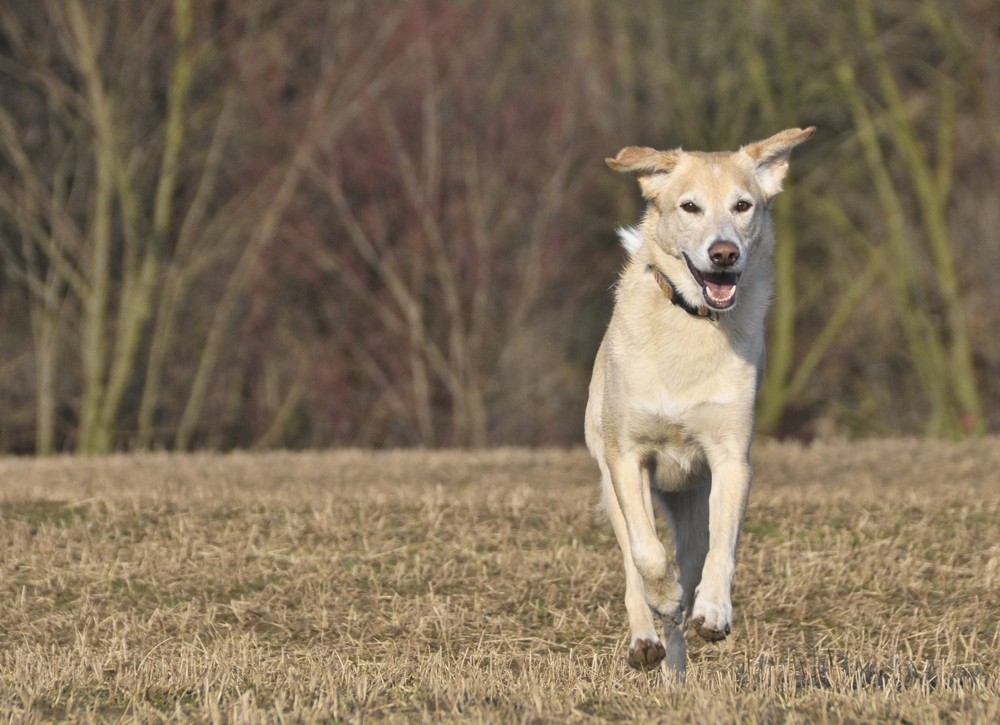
x=770 y=156
x=650 y=166
x=642 y=160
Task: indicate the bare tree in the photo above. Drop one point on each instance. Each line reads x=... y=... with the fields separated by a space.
x=925 y=275
x=447 y=234
x=387 y=222
x=118 y=263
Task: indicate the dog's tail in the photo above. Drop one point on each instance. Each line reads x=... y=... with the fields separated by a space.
x=630 y=238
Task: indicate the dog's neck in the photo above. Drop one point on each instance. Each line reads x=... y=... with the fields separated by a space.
x=677 y=299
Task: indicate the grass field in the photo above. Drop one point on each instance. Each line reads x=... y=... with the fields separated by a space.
x=449 y=586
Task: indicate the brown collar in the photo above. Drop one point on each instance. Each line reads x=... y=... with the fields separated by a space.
x=678 y=299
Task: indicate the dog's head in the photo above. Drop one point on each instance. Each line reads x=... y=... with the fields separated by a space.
x=710 y=209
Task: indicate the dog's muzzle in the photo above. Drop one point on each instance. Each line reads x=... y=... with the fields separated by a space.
x=718 y=287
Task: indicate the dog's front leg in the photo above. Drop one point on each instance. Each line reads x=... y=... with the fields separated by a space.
x=712 y=615
x=645 y=649
x=631 y=489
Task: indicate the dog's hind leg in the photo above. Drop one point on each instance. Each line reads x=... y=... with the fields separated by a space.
x=687 y=511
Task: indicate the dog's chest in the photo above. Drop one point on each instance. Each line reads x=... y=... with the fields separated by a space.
x=683 y=382
x=683 y=395
x=669 y=422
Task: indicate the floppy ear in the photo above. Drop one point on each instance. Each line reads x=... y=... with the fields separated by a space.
x=643 y=160
x=650 y=166
x=770 y=156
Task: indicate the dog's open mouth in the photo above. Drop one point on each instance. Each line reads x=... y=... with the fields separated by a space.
x=719 y=287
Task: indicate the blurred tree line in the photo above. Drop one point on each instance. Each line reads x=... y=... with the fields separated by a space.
x=388 y=222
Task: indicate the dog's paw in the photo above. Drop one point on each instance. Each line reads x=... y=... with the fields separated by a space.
x=711 y=620
x=645 y=654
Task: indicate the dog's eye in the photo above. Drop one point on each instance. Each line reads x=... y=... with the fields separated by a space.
x=742 y=205
x=690 y=207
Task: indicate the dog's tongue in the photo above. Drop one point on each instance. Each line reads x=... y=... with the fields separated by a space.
x=720 y=288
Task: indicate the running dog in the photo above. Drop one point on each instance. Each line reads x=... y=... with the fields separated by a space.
x=671 y=410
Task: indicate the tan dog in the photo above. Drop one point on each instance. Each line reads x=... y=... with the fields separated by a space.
x=671 y=409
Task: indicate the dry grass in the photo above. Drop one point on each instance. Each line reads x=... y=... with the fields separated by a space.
x=452 y=586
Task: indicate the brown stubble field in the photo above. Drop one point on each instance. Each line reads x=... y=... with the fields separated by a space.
x=454 y=586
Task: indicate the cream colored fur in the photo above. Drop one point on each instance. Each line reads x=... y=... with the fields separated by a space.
x=671 y=408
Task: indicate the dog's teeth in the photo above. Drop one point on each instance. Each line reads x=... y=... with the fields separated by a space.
x=721 y=295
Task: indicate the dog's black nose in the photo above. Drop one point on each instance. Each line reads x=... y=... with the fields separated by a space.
x=723 y=253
